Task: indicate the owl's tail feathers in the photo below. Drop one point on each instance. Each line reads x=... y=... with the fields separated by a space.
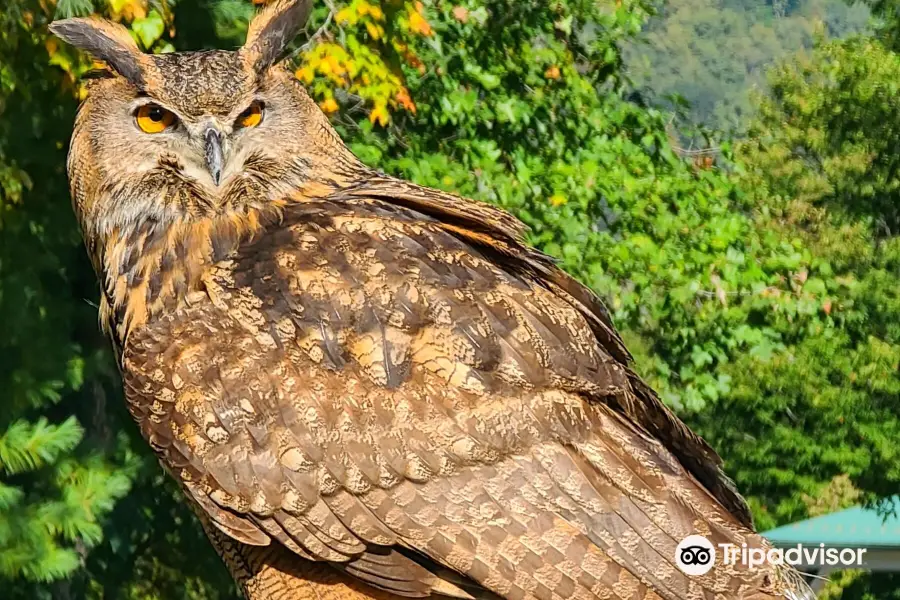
x=275 y=573
x=795 y=586
x=660 y=503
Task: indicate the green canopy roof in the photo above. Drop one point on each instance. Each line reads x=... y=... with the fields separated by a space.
x=854 y=527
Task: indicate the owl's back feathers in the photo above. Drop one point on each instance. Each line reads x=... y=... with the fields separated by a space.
x=406 y=391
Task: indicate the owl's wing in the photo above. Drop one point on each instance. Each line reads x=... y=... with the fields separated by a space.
x=500 y=237
x=431 y=408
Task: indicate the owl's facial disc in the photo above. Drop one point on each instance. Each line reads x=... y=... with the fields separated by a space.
x=200 y=143
x=209 y=147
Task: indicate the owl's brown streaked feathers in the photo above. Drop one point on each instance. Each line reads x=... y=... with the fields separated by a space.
x=368 y=388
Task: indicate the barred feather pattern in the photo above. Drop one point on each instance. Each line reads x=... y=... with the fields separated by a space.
x=404 y=392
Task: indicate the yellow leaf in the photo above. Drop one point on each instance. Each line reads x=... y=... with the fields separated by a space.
x=552 y=72
x=362 y=8
x=329 y=105
x=336 y=67
x=374 y=30
x=305 y=74
x=344 y=16
x=129 y=9
x=379 y=115
x=557 y=200
x=417 y=22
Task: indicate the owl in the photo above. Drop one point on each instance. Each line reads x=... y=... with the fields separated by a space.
x=367 y=388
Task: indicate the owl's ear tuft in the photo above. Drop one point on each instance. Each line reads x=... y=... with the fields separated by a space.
x=272 y=30
x=106 y=41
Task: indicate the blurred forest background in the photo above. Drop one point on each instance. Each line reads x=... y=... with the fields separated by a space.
x=706 y=58
x=723 y=172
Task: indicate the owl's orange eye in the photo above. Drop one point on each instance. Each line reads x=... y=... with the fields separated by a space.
x=252 y=116
x=153 y=118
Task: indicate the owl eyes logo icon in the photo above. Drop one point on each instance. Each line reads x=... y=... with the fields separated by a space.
x=695 y=555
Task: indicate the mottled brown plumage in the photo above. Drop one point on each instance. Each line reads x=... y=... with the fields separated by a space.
x=367 y=388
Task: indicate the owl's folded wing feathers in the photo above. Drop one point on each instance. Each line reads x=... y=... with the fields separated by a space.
x=500 y=237
x=427 y=409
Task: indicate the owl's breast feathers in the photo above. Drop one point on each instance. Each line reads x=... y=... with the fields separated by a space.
x=387 y=378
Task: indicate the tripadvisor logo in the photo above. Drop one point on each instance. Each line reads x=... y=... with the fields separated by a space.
x=696 y=555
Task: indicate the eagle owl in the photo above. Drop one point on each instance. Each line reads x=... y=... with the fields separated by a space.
x=368 y=388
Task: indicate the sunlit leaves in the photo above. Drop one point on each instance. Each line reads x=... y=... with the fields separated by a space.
x=358 y=53
x=27 y=446
x=149 y=28
x=819 y=174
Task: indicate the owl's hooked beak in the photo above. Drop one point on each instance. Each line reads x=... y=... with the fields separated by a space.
x=215 y=160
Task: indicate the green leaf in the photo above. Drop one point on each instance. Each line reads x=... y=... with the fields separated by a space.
x=149 y=29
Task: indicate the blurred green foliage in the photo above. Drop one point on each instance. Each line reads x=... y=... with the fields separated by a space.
x=823 y=169
x=756 y=286
x=52 y=490
x=706 y=57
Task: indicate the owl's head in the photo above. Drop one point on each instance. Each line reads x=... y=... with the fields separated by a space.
x=170 y=137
